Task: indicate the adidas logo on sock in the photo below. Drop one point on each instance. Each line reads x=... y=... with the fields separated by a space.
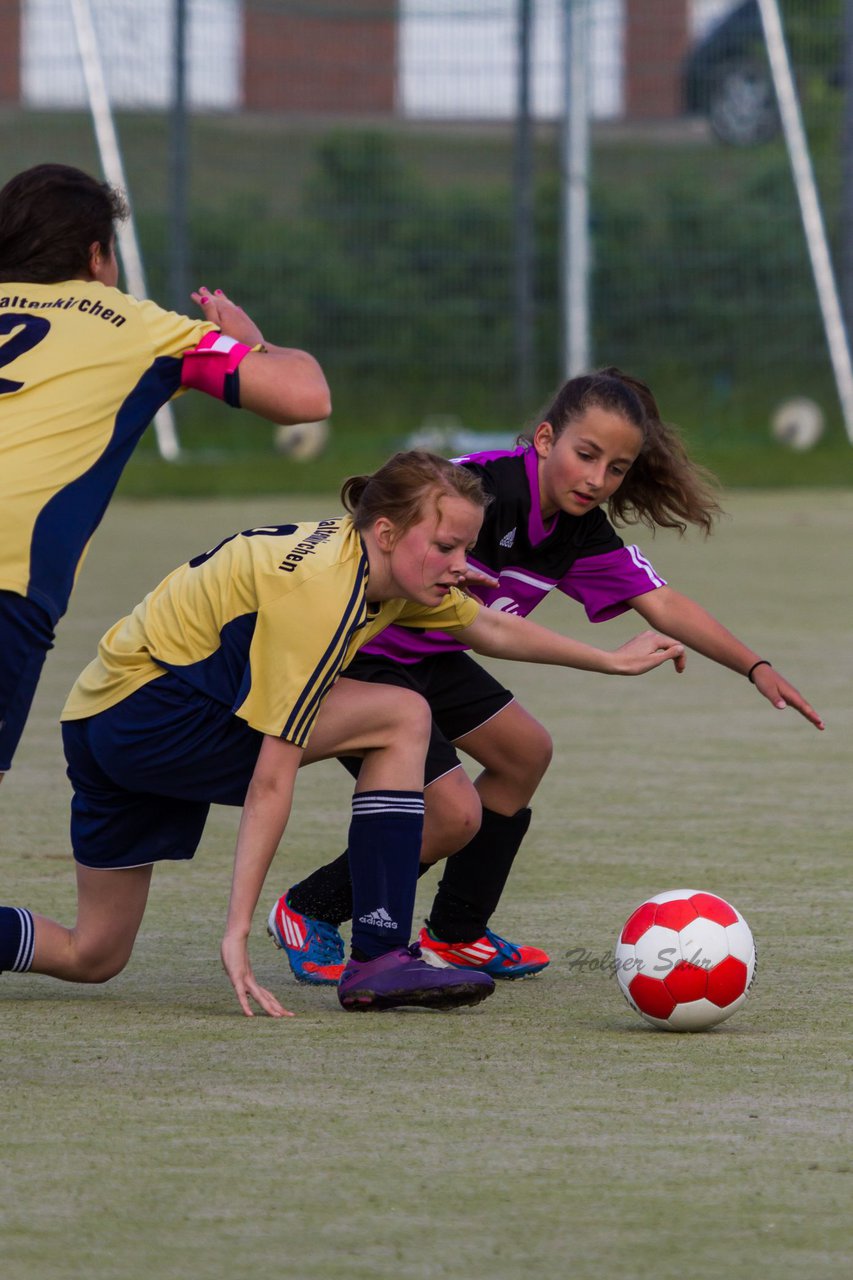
x=379 y=918
x=508 y=539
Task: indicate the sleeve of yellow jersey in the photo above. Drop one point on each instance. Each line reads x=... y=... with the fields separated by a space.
x=171 y=333
x=456 y=611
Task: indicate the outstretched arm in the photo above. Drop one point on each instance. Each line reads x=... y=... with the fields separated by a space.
x=282 y=384
x=683 y=618
x=504 y=635
x=262 y=824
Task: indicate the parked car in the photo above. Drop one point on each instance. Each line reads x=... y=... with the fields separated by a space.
x=727 y=78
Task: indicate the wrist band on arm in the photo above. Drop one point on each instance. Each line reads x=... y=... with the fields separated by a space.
x=213 y=367
x=762 y=662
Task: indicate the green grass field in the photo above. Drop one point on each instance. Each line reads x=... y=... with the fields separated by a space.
x=150 y=1132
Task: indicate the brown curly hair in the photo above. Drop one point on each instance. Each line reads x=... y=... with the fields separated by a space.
x=664 y=487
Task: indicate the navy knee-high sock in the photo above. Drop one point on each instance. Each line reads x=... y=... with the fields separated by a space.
x=384 y=847
x=17 y=938
x=475 y=877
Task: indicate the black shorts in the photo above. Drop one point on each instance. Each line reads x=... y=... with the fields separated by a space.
x=26 y=635
x=461 y=694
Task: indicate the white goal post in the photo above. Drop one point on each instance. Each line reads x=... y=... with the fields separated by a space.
x=810 y=211
x=111 y=163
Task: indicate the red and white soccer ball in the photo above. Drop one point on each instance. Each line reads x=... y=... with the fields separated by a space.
x=685 y=960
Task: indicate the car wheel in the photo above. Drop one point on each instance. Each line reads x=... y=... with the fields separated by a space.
x=742 y=107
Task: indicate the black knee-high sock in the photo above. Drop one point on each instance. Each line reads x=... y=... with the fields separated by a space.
x=327 y=893
x=475 y=877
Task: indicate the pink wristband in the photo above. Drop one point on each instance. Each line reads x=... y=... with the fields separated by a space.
x=212 y=367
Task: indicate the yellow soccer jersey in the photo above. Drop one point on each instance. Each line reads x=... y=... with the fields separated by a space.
x=264 y=623
x=83 y=370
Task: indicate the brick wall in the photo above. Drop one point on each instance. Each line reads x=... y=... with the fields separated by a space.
x=341 y=59
x=10 y=44
x=656 y=40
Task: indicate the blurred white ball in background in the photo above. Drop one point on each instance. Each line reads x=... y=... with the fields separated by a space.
x=302 y=441
x=798 y=423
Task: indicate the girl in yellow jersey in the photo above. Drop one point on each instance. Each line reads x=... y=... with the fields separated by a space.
x=83 y=370
x=226 y=679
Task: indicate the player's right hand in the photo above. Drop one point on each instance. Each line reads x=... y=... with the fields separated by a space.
x=235 y=962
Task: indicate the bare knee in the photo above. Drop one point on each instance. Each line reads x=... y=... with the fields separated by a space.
x=527 y=757
x=452 y=818
x=412 y=716
x=110 y=906
x=102 y=971
x=465 y=819
x=539 y=750
x=93 y=964
x=410 y=726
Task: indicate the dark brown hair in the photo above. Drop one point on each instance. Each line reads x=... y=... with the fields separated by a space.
x=401 y=488
x=49 y=217
x=664 y=487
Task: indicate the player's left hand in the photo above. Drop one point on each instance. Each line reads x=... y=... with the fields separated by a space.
x=235 y=961
x=232 y=320
x=648 y=650
x=777 y=690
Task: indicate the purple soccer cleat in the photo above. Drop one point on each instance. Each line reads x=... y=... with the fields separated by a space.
x=403 y=977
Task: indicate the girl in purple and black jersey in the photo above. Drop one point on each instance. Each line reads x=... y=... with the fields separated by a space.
x=601 y=446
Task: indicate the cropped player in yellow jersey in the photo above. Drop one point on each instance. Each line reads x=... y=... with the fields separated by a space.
x=226 y=679
x=83 y=370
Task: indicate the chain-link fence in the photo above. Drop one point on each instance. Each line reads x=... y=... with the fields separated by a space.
x=383 y=182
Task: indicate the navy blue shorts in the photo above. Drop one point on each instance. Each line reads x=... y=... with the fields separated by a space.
x=146 y=771
x=26 y=635
x=461 y=694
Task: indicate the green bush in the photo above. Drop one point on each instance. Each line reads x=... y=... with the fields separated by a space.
x=402 y=287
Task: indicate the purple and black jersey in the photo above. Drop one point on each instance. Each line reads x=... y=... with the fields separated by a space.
x=582 y=556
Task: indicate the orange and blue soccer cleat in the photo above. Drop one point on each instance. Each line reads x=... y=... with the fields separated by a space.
x=314 y=948
x=489 y=954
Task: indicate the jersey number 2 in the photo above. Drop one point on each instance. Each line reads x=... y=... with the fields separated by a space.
x=32 y=330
